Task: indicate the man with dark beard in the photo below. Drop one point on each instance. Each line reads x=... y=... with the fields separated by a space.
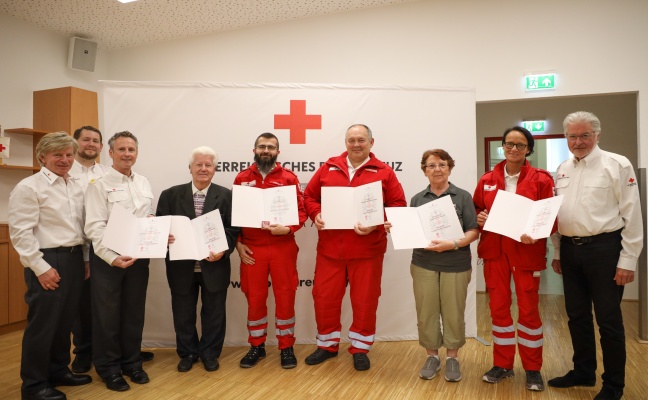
x=269 y=250
x=85 y=169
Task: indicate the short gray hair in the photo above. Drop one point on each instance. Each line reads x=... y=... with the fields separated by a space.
x=362 y=126
x=203 y=151
x=118 y=135
x=582 y=117
x=55 y=141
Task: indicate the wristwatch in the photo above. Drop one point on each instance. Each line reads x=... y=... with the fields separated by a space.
x=456 y=245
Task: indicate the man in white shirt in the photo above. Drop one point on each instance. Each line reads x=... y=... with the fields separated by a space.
x=599 y=239
x=46 y=229
x=85 y=169
x=119 y=282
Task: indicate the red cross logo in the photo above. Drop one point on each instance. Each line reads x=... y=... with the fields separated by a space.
x=297 y=121
x=2 y=148
x=631 y=180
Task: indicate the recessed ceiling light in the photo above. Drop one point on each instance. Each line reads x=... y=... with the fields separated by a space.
x=126 y=1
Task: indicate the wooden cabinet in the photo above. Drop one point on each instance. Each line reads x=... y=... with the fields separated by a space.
x=13 y=309
x=65 y=109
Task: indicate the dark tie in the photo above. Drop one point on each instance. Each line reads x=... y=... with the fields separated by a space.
x=199 y=203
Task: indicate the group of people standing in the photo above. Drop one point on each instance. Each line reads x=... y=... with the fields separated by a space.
x=58 y=232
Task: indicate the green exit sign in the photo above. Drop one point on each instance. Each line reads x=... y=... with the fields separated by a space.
x=534 y=126
x=540 y=82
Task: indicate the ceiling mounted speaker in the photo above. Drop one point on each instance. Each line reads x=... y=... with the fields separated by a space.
x=82 y=54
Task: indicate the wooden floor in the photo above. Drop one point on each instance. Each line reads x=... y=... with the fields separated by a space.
x=393 y=374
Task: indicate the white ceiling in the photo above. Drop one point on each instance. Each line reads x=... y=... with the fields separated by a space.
x=114 y=25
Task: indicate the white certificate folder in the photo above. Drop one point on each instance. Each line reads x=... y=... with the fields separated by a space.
x=195 y=239
x=254 y=207
x=416 y=227
x=513 y=215
x=135 y=237
x=344 y=207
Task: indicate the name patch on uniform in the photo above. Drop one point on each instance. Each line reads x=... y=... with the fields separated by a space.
x=490 y=188
x=371 y=170
x=334 y=169
x=251 y=183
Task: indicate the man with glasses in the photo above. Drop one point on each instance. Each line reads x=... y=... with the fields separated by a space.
x=353 y=256
x=522 y=259
x=272 y=250
x=599 y=239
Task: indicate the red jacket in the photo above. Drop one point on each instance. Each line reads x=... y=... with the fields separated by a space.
x=533 y=183
x=279 y=176
x=345 y=243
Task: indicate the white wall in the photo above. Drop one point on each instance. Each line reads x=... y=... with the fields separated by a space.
x=32 y=59
x=596 y=46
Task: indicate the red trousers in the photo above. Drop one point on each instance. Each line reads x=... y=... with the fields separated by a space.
x=497 y=274
x=279 y=260
x=331 y=275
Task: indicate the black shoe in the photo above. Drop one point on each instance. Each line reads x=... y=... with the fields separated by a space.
x=253 y=356
x=117 y=383
x=361 y=362
x=82 y=363
x=288 y=359
x=146 y=356
x=187 y=362
x=137 y=375
x=608 y=393
x=210 y=364
x=570 y=380
x=319 y=356
x=44 y=394
x=70 y=379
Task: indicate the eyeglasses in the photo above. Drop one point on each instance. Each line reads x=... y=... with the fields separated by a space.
x=584 y=137
x=519 y=146
x=435 y=166
x=263 y=147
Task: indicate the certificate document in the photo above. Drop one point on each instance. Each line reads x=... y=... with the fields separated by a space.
x=343 y=207
x=135 y=237
x=196 y=238
x=416 y=227
x=513 y=215
x=255 y=208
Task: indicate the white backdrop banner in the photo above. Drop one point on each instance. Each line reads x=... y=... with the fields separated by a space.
x=310 y=120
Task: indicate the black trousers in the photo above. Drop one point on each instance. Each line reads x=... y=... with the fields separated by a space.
x=82 y=328
x=588 y=274
x=46 y=341
x=118 y=301
x=212 y=318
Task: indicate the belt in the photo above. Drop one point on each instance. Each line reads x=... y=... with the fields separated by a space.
x=581 y=240
x=72 y=249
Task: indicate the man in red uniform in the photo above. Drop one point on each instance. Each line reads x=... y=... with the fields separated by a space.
x=269 y=250
x=356 y=255
x=524 y=260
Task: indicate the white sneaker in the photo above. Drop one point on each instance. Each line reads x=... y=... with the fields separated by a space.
x=452 y=371
x=430 y=368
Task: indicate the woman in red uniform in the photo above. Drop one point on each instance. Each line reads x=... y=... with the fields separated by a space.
x=504 y=257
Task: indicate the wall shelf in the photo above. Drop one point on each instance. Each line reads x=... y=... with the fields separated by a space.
x=37 y=135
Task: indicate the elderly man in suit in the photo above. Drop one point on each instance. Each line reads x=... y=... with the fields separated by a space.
x=211 y=276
